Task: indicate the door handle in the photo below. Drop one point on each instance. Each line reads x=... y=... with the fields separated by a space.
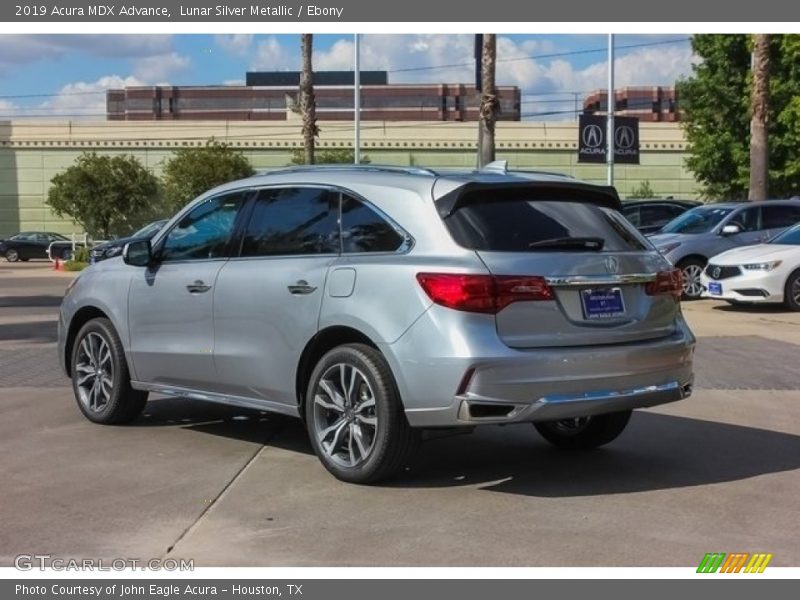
x=301 y=288
x=198 y=287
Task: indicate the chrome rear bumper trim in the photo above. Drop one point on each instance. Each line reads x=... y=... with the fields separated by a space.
x=570 y=280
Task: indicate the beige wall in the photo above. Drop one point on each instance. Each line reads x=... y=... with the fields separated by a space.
x=31 y=153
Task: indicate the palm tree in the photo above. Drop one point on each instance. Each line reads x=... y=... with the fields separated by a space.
x=759 y=111
x=490 y=106
x=307 y=103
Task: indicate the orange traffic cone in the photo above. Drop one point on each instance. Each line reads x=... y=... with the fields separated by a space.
x=57 y=264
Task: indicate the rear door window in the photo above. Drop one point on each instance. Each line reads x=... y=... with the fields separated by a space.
x=523 y=226
x=778 y=217
x=293 y=221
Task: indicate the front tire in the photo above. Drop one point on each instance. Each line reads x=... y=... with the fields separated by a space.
x=584 y=433
x=12 y=255
x=692 y=268
x=791 y=294
x=355 y=417
x=100 y=378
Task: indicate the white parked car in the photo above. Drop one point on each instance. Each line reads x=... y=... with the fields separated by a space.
x=764 y=273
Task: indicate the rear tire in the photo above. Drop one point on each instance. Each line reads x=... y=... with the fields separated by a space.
x=355 y=417
x=100 y=378
x=584 y=433
x=791 y=293
x=691 y=269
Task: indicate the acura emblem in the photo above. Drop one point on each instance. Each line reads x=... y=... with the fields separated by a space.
x=624 y=137
x=592 y=136
x=612 y=264
x=716 y=272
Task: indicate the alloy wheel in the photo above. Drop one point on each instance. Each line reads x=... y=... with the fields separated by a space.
x=345 y=420
x=691 y=280
x=795 y=291
x=94 y=370
x=12 y=256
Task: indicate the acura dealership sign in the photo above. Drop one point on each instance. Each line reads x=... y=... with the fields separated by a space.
x=592 y=139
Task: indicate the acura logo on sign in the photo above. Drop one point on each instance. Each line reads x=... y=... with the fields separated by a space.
x=612 y=264
x=624 y=137
x=592 y=136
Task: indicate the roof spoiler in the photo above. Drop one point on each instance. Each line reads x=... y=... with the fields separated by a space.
x=565 y=191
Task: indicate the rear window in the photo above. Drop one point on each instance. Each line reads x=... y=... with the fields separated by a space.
x=519 y=225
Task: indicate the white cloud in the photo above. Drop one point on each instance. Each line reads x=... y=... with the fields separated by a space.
x=238 y=44
x=158 y=69
x=80 y=99
x=271 y=55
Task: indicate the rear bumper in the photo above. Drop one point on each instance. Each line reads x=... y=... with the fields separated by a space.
x=567 y=406
x=469 y=377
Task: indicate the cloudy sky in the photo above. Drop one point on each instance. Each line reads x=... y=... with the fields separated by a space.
x=66 y=75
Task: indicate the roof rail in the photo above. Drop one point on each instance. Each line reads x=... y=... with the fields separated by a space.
x=350 y=167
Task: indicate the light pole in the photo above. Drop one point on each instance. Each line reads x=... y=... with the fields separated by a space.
x=610 y=111
x=356 y=101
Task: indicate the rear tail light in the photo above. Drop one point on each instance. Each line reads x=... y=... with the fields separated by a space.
x=483 y=293
x=666 y=282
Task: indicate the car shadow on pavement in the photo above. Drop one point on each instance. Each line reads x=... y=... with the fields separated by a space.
x=244 y=424
x=655 y=452
x=30 y=301
x=766 y=309
x=31 y=331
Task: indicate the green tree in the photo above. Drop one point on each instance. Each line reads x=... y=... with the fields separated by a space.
x=194 y=170
x=643 y=190
x=715 y=102
x=332 y=156
x=106 y=195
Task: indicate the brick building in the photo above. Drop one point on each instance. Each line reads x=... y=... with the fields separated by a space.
x=272 y=96
x=649 y=104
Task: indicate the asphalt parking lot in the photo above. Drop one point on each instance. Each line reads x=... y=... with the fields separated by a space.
x=715 y=473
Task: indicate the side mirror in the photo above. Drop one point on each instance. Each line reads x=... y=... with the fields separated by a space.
x=730 y=230
x=138 y=253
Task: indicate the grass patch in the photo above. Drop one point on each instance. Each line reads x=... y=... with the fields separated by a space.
x=75 y=265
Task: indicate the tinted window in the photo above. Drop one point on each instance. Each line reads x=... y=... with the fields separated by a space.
x=791 y=236
x=632 y=214
x=698 y=220
x=778 y=217
x=746 y=220
x=205 y=231
x=290 y=221
x=516 y=225
x=658 y=214
x=364 y=230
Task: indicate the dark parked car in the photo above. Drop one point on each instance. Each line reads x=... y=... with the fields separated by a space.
x=114 y=248
x=29 y=244
x=649 y=216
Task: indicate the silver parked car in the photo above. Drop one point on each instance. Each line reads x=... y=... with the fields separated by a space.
x=374 y=302
x=689 y=240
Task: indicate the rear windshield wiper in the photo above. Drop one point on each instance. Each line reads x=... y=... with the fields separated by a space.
x=570 y=243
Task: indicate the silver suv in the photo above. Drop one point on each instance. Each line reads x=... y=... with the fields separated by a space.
x=688 y=241
x=376 y=302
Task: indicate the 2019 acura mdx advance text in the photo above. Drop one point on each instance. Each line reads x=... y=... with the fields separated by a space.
x=376 y=302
